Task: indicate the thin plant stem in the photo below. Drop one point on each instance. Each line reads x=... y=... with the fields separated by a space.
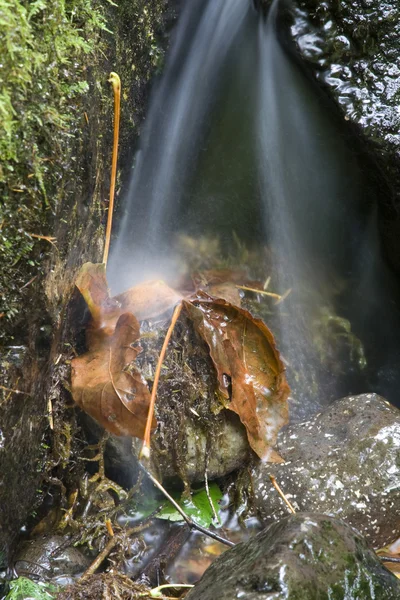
x=116 y=84
x=263 y=292
x=285 y=295
x=216 y=517
x=6 y=389
x=282 y=495
x=156 y=592
x=191 y=524
x=145 y=450
x=112 y=542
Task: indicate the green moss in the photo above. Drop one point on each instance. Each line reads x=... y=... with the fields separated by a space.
x=54 y=52
x=45 y=47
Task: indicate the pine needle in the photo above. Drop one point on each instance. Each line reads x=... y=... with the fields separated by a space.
x=145 y=451
x=282 y=495
x=116 y=84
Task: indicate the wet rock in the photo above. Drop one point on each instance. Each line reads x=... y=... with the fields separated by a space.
x=49 y=557
x=344 y=461
x=353 y=50
x=195 y=433
x=23 y=422
x=188 y=456
x=302 y=557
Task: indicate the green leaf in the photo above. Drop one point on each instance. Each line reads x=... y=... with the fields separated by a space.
x=23 y=588
x=198 y=507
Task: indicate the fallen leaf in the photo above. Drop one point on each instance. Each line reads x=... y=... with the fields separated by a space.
x=102 y=384
x=148 y=300
x=92 y=284
x=198 y=507
x=116 y=398
x=227 y=291
x=250 y=373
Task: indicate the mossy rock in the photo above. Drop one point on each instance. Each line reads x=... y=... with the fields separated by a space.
x=307 y=556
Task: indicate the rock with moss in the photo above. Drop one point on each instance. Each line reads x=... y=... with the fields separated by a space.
x=194 y=435
x=307 y=556
x=196 y=438
x=344 y=461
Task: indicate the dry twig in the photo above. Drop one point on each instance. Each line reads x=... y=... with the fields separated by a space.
x=282 y=495
x=6 y=389
x=109 y=546
x=256 y=291
x=47 y=238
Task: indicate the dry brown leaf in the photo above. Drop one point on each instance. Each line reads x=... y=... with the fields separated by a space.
x=115 y=398
x=148 y=300
x=227 y=291
x=92 y=284
x=102 y=385
x=251 y=375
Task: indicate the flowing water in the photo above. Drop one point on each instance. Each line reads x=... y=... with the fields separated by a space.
x=244 y=160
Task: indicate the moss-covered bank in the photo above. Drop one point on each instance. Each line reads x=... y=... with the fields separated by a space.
x=53 y=72
x=55 y=148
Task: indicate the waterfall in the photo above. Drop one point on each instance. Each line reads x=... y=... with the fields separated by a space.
x=241 y=144
x=180 y=107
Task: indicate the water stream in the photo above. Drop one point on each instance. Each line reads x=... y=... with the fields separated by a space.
x=243 y=158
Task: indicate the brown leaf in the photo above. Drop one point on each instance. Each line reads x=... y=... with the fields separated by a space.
x=117 y=399
x=148 y=300
x=92 y=284
x=105 y=312
x=250 y=373
x=101 y=384
x=227 y=291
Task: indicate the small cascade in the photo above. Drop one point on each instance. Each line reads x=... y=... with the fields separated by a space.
x=244 y=163
x=208 y=35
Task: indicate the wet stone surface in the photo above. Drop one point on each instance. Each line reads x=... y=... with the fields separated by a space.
x=49 y=557
x=194 y=433
x=303 y=557
x=344 y=461
x=353 y=50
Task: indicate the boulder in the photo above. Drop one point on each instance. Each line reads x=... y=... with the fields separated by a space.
x=302 y=557
x=344 y=461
